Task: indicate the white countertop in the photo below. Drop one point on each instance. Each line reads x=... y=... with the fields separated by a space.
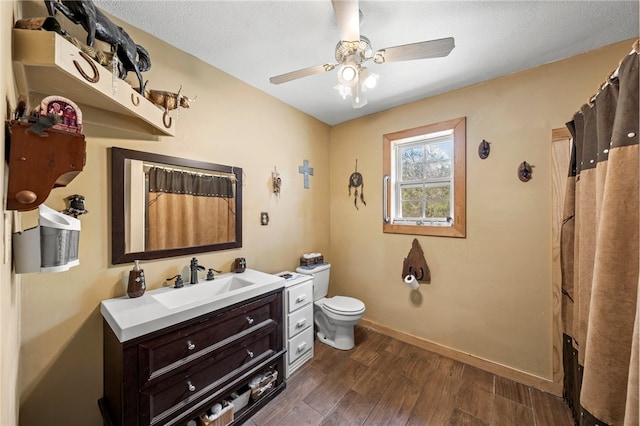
x=295 y=278
x=130 y=318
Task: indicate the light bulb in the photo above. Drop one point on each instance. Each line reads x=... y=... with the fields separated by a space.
x=368 y=79
x=347 y=74
x=343 y=90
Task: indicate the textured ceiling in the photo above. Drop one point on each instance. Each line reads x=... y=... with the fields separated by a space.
x=255 y=40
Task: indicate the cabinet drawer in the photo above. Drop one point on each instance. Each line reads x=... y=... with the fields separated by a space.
x=175 y=349
x=167 y=398
x=299 y=320
x=300 y=345
x=299 y=296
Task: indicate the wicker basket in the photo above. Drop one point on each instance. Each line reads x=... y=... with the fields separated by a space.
x=224 y=418
x=267 y=383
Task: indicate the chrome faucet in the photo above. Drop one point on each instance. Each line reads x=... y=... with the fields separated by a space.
x=194 y=270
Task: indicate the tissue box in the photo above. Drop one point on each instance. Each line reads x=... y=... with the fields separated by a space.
x=224 y=418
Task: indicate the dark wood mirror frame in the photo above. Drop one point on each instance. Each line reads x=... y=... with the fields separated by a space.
x=118 y=220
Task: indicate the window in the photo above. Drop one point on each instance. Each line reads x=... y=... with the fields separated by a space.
x=424 y=171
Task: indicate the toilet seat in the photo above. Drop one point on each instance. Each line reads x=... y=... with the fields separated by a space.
x=343 y=305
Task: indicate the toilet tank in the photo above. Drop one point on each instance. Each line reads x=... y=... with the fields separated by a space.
x=320 y=279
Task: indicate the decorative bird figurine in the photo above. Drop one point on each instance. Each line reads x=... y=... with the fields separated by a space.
x=44 y=122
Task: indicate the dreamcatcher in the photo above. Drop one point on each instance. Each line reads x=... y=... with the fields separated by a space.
x=355 y=181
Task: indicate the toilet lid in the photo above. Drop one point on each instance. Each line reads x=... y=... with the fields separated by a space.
x=343 y=304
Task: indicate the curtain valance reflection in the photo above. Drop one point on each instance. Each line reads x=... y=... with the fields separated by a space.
x=186 y=209
x=183 y=182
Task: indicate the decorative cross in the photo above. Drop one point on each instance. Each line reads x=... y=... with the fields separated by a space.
x=306 y=171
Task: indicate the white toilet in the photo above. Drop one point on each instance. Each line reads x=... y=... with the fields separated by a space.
x=335 y=316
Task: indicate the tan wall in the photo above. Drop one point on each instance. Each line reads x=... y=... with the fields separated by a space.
x=230 y=123
x=490 y=294
x=10 y=283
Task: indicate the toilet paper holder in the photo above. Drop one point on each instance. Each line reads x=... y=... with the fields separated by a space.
x=415 y=265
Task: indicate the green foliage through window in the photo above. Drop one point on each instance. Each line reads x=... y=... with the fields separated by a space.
x=426 y=170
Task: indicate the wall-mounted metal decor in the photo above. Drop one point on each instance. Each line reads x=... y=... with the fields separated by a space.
x=525 y=171
x=76 y=206
x=355 y=181
x=276 y=181
x=484 y=149
x=306 y=171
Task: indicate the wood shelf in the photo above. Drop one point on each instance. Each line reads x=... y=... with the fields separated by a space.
x=37 y=164
x=46 y=64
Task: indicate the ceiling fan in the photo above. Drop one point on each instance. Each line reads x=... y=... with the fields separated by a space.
x=354 y=49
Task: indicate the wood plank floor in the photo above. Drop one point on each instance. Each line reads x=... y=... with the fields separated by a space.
x=384 y=381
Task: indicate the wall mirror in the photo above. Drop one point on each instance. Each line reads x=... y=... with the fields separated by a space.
x=164 y=206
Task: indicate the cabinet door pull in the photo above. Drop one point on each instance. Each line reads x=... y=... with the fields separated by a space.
x=250 y=353
x=301 y=347
x=301 y=323
x=191 y=387
x=191 y=346
x=249 y=320
x=301 y=299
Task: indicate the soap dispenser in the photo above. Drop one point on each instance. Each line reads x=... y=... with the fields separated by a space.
x=136 y=285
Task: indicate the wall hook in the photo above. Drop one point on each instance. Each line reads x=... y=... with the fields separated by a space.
x=525 y=171
x=484 y=149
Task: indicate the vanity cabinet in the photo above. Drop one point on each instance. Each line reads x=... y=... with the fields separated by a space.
x=173 y=375
x=299 y=321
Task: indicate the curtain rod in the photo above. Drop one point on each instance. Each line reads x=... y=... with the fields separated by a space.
x=229 y=176
x=635 y=49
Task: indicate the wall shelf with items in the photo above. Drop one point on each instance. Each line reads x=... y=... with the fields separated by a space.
x=47 y=64
x=38 y=164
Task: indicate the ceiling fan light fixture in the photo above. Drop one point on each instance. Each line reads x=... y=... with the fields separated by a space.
x=368 y=79
x=347 y=74
x=343 y=90
x=358 y=97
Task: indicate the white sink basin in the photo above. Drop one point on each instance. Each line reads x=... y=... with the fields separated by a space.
x=201 y=292
x=166 y=306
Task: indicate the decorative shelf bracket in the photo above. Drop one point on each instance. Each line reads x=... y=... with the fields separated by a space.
x=38 y=164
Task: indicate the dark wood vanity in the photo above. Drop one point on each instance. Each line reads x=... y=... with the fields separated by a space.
x=173 y=375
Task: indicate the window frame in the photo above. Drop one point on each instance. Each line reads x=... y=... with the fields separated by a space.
x=398 y=226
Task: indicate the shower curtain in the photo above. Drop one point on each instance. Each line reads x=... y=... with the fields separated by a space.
x=187 y=209
x=600 y=255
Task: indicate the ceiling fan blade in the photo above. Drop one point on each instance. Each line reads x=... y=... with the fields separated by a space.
x=421 y=50
x=305 y=72
x=348 y=18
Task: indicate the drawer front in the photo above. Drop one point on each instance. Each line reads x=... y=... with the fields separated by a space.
x=299 y=296
x=181 y=391
x=164 y=354
x=299 y=320
x=300 y=345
